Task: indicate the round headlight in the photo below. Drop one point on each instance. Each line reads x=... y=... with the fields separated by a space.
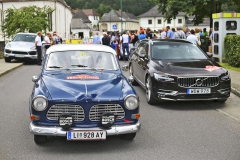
x=131 y=102
x=39 y=103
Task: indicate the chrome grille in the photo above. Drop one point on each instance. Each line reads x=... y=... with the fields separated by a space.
x=75 y=110
x=198 y=81
x=97 y=110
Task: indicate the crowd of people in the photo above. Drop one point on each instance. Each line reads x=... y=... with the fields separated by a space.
x=129 y=38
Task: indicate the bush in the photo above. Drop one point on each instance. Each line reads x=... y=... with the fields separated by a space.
x=232 y=50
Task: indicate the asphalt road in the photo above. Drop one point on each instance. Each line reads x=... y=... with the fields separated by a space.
x=171 y=130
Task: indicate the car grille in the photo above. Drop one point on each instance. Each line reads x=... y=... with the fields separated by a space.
x=75 y=110
x=32 y=53
x=198 y=81
x=97 y=110
x=17 y=52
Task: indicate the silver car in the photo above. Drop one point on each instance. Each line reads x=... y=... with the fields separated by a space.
x=21 y=47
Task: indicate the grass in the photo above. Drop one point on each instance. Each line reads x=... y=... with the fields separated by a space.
x=227 y=66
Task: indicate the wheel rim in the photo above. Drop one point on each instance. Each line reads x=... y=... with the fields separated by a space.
x=148 y=89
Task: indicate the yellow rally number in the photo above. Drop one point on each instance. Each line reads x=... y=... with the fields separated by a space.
x=82 y=54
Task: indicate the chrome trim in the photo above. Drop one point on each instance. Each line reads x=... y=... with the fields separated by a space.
x=131 y=95
x=206 y=99
x=167 y=92
x=97 y=110
x=58 y=131
x=193 y=83
x=76 y=111
x=40 y=96
x=34 y=78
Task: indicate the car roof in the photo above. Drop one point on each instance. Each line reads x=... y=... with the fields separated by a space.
x=86 y=47
x=28 y=33
x=168 y=40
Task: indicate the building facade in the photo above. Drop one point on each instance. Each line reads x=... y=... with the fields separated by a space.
x=60 y=18
x=92 y=16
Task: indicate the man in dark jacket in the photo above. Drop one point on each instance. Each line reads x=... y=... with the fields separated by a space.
x=105 y=39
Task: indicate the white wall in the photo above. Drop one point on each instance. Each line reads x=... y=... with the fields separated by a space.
x=61 y=17
x=85 y=33
x=94 y=22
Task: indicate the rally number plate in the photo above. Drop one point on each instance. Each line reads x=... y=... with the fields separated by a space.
x=86 y=135
x=199 y=91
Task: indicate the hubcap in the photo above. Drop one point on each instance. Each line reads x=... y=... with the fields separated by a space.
x=148 y=89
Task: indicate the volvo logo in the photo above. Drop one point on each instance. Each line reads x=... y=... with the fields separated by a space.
x=199 y=82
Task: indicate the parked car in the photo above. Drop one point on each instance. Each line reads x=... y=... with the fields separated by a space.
x=177 y=70
x=22 y=46
x=82 y=94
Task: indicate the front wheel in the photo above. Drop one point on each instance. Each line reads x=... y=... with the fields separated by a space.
x=40 y=139
x=149 y=93
x=129 y=136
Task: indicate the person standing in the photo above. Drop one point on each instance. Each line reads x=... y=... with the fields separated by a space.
x=179 y=34
x=96 y=39
x=170 y=33
x=164 y=33
x=38 y=46
x=55 y=38
x=192 y=38
x=135 y=39
x=125 y=45
x=141 y=35
x=187 y=33
x=105 y=39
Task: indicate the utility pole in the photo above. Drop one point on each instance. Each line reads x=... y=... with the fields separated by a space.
x=121 y=17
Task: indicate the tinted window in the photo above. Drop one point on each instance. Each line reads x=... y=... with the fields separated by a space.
x=81 y=60
x=215 y=49
x=216 y=26
x=215 y=37
x=24 y=38
x=231 y=25
x=176 y=51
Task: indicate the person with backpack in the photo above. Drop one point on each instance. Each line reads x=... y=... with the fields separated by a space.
x=179 y=34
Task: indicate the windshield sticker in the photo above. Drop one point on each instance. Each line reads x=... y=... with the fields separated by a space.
x=82 y=54
x=83 y=76
x=212 y=68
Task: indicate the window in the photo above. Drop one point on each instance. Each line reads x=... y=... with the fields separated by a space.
x=159 y=21
x=216 y=26
x=231 y=25
x=215 y=37
x=149 y=21
x=179 y=21
x=215 y=49
x=168 y=21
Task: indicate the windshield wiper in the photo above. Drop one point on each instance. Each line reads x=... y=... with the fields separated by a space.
x=79 y=65
x=55 y=67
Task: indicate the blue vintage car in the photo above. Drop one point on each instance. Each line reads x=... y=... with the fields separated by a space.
x=81 y=94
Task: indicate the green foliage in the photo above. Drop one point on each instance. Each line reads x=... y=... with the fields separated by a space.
x=135 y=7
x=227 y=66
x=232 y=50
x=31 y=19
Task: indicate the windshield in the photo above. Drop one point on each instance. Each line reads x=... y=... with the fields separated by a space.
x=81 y=60
x=24 y=38
x=183 y=51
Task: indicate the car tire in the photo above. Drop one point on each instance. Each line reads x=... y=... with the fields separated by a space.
x=129 y=136
x=134 y=82
x=40 y=139
x=7 y=59
x=149 y=93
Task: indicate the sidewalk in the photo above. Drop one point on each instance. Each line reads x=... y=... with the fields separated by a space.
x=235 y=82
x=8 y=67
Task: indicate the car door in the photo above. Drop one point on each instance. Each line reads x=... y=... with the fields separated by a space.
x=142 y=62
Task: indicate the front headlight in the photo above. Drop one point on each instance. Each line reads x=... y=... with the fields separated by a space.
x=225 y=76
x=162 y=77
x=131 y=102
x=39 y=103
x=8 y=46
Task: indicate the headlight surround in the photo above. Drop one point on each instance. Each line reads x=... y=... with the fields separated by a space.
x=225 y=76
x=163 y=77
x=8 y=46
x=131 y=102
x=39 y=103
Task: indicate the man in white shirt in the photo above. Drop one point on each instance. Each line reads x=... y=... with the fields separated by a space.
x=124 y=40
x=38 y=46
x=164 y=33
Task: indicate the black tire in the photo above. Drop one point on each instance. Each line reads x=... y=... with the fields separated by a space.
x=129 y=136
x=40 y=139
x=7 y=59
x=149 y=93
x=134 y=82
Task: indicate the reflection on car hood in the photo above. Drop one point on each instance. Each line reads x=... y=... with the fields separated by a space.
x=21 y=45
x=193 y=67
x=84 y=87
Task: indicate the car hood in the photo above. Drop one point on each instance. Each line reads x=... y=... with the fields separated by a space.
x=193 y=67
x=21 y=46
x=84 y=87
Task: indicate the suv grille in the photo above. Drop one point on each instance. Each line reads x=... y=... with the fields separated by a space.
x=97 y=110
x=198 y=81
x=17 y=52
x=75 y=110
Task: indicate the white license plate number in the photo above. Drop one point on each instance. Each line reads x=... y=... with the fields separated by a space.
x=199 y=91
x=19 y=55
x=86 y=135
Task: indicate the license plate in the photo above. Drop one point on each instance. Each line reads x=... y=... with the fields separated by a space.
x=18 y=55
x=86 y=135
x=199 y=91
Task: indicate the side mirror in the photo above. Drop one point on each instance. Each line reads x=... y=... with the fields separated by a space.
x=125 y=68
x=142 y=55
x=34 y=78
x=209 y=54
x=131 y=79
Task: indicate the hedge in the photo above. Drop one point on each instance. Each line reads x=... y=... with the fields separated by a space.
x=232 y=50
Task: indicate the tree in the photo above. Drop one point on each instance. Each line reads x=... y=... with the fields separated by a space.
x=198 y=8
x=31 y=19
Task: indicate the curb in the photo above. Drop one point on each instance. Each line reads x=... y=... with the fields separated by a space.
x=235 y=91
x=11 y=69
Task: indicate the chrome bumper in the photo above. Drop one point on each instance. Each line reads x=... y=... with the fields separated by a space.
x=22 y=56
x=58 y=131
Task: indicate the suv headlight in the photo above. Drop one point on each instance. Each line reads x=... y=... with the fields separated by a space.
x=8 y=46
x=225 y=76
x=131 y=102
x=162 y=77
x=39 y=103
